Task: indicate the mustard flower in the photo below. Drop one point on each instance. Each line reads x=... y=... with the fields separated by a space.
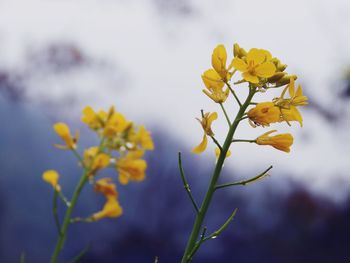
x=206 y=122
x=95 y=160
x=214 y=85
x=218 y=61
x=144 y=139
x=256 y=65
x=264 y=114
x=95 y=120
x=131 y=167
x=51 y=177
x=106 y=187
x=111 y=209
x=115 y=124
x=281 y=142
x=63 y=131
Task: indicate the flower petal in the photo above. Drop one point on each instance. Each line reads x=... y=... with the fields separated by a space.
x=258 y=56
x=251 y=78
x=202 y=146
x=265 y=70
x=239 y=64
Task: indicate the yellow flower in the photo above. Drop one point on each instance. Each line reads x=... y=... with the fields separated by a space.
x=217 y=153
x=111 y=209
x=92 y=119
x=214 y=85
x=131 y=167
x=280 y=142
x=63 y=131
x=264 y=113
x=206 y=122
x=256 y=65
x=218 y=61
x=51 y=177
x=288 y=107
x=116 y=123
x=106 y=187
x=94 y=160
x=144 y=139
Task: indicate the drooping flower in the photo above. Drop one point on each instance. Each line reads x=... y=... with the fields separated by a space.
x=288 y=106
x=51 y=177
x=131 y=167
x=281 y=142
x=206 y=122
x=106 y=187
x=63 y=131
x=264 y=114
x=111 y=209
x=214 y=85
x=256 y=65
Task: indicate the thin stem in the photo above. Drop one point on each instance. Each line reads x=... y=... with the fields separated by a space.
x=226 y=116
x=186 y=185
x=156 y=260
x=77 y=155
x=23 y=255
x=223 y=227
x=216 y=142
x=64 y=199
x=239 y=140
x=243 y=118
x=66 y=221
x=234 y=94
x=55 y=214
x=81 y=254
x=248 y=181
x=211 y=188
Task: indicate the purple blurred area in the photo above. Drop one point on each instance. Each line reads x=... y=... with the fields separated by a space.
x=299 y=214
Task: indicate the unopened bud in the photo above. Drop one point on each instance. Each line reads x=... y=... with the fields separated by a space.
x=276 y=77
x=285 y=80
x=238 y=51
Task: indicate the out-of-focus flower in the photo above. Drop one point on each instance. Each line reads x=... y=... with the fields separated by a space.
x=131 y=167
x=51 y=177
x=214 y=85
x=144 y=139
x=206 y=122
x=115 y=124
x=111 y=209
x=95 y=160
x=217 y=152
x=281 y=142
x=63 y=131
x=264 y=114
x=106 y=187
x=256 y=65
x=95 y=120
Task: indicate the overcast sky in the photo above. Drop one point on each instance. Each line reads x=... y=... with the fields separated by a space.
x=147 y=57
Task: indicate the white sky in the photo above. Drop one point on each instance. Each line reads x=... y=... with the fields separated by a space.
x=155 y=57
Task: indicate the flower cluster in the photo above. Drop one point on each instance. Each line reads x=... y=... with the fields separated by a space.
x=122 y=147
x=261 y=71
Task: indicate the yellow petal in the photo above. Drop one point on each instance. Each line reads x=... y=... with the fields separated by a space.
x=218 y=59
x=202 y=146
x=265 y=70
x=212 y=117
x=239 y=64
x=251 y=78
x=51 y=177
x=217 y=152
x=291 y=87
x=257 y=56
x=212 y=79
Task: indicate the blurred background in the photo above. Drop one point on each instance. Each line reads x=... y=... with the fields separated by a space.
x=146 y=57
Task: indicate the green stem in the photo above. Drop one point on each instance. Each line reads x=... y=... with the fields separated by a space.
x=55 y=214
x=186 y=185
x=248 y=181
x=234 y=94
x=239 y=140
x=211 y=188
x=66 y=221
x=226 y=116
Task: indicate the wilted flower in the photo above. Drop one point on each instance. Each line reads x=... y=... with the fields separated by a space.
x=206 y=122
x=51 y=177
x=281 y=142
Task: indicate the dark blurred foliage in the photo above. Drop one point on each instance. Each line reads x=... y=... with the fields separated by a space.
x=276 y=221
